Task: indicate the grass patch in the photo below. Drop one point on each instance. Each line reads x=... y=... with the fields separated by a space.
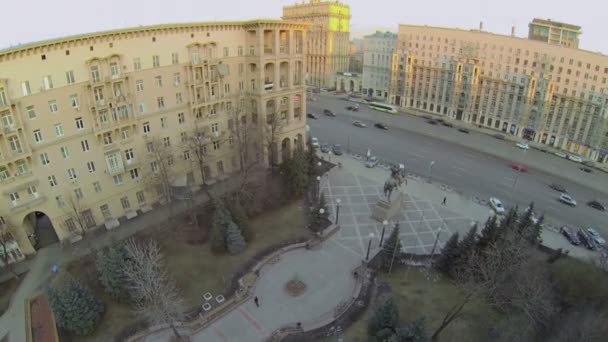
x=196 y=269
x=580 y=282
x=7 y=290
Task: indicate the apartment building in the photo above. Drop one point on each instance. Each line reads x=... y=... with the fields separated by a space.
x=554 y=32
x=378 y=49
x=84 y=118
x=543 y=92
x=328 y=47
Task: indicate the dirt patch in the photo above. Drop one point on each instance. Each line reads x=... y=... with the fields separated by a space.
x=42 y=322
x=295 y=287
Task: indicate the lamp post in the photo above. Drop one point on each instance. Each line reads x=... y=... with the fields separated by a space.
x=435 y=244
x=318 y=188
x=384 y=223
x=431 y=169
x=369 y=246
x=329 y=154
x=338 y=209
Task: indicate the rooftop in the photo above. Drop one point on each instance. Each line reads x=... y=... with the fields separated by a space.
x=555 y=23
x=380 y=34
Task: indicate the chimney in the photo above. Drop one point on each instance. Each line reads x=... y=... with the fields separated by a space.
x=512 y=31
x=481 y=26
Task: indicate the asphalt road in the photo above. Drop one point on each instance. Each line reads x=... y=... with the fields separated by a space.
x=481 y=172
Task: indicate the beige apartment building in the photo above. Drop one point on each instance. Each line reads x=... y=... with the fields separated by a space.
x=83 y=118
x=328 y=48
x=548 y=93
x=554 y=32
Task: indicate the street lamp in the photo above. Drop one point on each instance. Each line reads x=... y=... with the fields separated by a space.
x=329 y=154
x=319 y=187
x=369 y=245
x=338 y=209
x=431 y=169
x=435 y=244
x=384 y=223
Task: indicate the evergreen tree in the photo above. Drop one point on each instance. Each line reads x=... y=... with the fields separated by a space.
x=391 y=248
x=295 y=173
x=219 y=224
x=384 y=321
x=109 y=264
x=449 y=255
x=415 y=331
x=235 y=243
x=525 y=220
x=534 y=235
x=466 y=248
x=74 y=305
x=311 y=160
x=489 y=234
x=317 y=217
x=239 y=216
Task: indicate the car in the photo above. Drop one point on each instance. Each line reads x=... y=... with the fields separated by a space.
x=566 y=199
x=328 y=112
x=324 y=90
x=463 y=130
x=586 y=169
x=575 y=158
x=314 y=142
x=381 y=125
x=499 y=136
x=312 y=116
x=568 y=233
x=324 y=148
x=585 y=239
x=440 y=120
x=371 y=162
x=595 y=204
x=519 y=167
x=354 y=108
x=523 y=146
x=431 y=121
x=596 y=237
x=359 y=124
x=558 y=187
x=561 y=154
x=447 y=124
x=427 y=117
x=338 y=150
x=496 y=204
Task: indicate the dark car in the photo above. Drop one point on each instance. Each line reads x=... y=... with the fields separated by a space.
x=380 y=125
x=312 y=116
x=440 y=120
x=328 y=112
x=586 y=169
x=569 y=235
x=463 y=130
x=585 y=239
x=338 y=150
x=354 y=108
x=447 y=124
x=499 y=136
x=428 y=117
x=324 y=148
x=431 y=121
x=558 y=187
x=595 y=204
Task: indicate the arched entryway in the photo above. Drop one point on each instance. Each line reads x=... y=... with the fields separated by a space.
x=40 y=229
x=352 y=86
x=285 y=149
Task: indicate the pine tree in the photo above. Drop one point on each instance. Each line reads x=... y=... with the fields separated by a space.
x=391 y=248
x=74 y=305
x=295 y=173
x=534 y=235
x=449 y=255
x=109 y=264
x=415 y=331
x=466 y=248
x=219 y=224
x=317 y=217
x=384 y=319
x=239 y=216
x=489 y=234
x=235 y=243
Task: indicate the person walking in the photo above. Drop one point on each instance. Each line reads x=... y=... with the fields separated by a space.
x=444 y=200
x=256 y=301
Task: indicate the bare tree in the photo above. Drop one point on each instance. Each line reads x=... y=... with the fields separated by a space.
x=197 y=142
x=6 y=240
x=272 y=130
x=247 y=142
x=154 y=293
x=160 y=174
x=74 y=211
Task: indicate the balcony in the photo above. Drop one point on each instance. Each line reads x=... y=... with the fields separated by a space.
x=10 y=129
x=268 y=86
x=284 y=49
x=268 y=50
x=32 y=200
x=115 y=170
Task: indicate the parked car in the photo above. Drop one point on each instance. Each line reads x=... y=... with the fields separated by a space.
x=519 y=167
x=328 y=112
x=496 y=204
x=499 y=136
x=314 y=142
x=338 y=150
x=447 y=124
x=463 y=130
x=381 y=125
x=440 y=120
x=596 y=237
x=568 y=233
x=371 y=162
x=586 y=169
x=561 y=154
x=523 y=146
x=575 y=158
x=595 y=204
x=431 y=121
x=566 y=199
x=558 y=187
x=312 y=116
x=585 y=239
x=359 y=124
x=325 y=148
x=353 y=108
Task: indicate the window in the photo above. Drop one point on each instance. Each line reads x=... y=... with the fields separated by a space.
x=25 y=88
x=180 y=118
x=240 y=50
x=60 y=201
x=85 y=145
x=216 y=145
x=134 y=173
x=155 y=61
x=14 y=197
x=79 y=123
x=184 y=136
x=158 y=81
x=53 y=106
x=31 y=112
x=241 y=85
x=139 y=85
x=170 y=160
x=44 y=158
x=95 y=75
x=118 y=179
x=231 y=139
x=124 y=201
x=154 y=166
x=69 y=75
x=161 y=102
x=225 y=52
x=74 y=101
x=52 y=181
x=105 y=211
x=227 y=88
x=215 y=128
x=72 y=174
x=114 y=69
x=107 y=138
x=146 y=127
x=98 y=93
x=141 y=199
x=176 y=79
x=21 y=167
x=129 y=154
x=166 y=141
x=136 y=64
x=58 y=130
x=97 y=187
x=32 y=191
x=187 y=155
x=178 y=98
x=37 y=136
x=91 y=167
x=48 y=82
x=15 y=144
x=78 y=193
x=65 y=152
x=150 y=147
x=4 y=174
x=174 y=58
x=142 y=107
x=163 y=122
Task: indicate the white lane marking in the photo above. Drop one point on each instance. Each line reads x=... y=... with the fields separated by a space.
x=457 y=168
x=416 y=155
x=472 y=156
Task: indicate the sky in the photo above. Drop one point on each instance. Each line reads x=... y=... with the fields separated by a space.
x=26 y=21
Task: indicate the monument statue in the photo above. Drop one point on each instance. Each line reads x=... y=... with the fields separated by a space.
x=385 y=209
x=396 y=178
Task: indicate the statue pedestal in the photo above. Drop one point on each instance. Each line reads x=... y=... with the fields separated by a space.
x=385 y=210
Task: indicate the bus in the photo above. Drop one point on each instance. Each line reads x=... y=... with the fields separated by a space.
x=382 y=107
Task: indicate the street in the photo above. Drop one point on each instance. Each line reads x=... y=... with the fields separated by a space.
x=470 y=172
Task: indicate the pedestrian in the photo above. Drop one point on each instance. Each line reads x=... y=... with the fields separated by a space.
x=256 y=301
x=444 y=199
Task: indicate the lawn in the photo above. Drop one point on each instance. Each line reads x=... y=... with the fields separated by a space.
x=195 y=268
x=7 y=289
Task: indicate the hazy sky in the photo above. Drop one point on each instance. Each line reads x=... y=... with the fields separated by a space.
x=31 y=20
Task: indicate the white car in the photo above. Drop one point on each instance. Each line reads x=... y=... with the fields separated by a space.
x=566 y=199
x=561 y=154
x=575 y=158
x=496 y=204
x=523 y=145
x=596 y=236
x=314 y=142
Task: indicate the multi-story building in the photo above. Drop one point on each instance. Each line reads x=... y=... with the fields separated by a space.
x=543 y=92
x=90 y=123
x=355 y=60
x=328 y=45
x=554 y=32
x=378 y=49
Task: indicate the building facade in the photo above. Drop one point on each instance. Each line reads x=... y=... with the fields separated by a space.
x=93 y=123
x=348 y=82
x=554 y=32
x=378 y=49
x=328 y=47
x=355 y=60
x=547 y=93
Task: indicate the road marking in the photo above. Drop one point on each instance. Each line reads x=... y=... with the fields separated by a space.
x=252 y=320
x=458 y=168
x=416 y=155
x=472 y=156
x=220 y=333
